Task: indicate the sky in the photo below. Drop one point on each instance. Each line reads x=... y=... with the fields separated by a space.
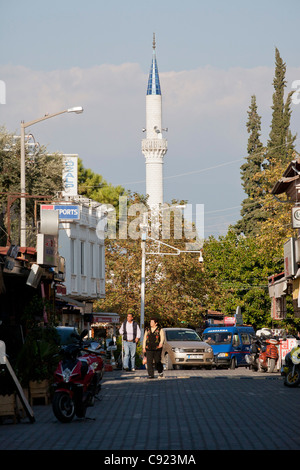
x=212 y=57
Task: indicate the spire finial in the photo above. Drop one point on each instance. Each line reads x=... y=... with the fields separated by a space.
x=154 y=43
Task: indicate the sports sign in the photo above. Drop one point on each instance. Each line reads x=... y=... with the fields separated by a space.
x=65 y=212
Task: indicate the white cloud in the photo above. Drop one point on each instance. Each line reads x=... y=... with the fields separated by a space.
x=205 y=110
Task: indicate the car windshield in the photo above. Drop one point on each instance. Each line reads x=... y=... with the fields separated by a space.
x=217 y=338
x=182 y=335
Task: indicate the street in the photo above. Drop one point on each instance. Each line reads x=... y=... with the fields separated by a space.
x=186 y=410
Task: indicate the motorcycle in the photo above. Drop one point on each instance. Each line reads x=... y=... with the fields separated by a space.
x=291 y=368
x=77 y=379
x=268 y=355
x=252 y=358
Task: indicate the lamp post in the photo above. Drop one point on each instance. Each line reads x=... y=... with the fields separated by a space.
x=24 y=125
x=177 y=252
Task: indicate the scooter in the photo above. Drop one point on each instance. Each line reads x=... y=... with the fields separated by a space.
x=77 y=379
x=268 y=355
x=252 y=358
x=291 y=368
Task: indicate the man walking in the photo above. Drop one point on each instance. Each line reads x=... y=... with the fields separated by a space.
x=131 y=334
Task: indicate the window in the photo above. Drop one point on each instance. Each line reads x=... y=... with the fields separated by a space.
x=82 y=270
x=245 y=338
x=73 y=257
x=236 y=341
x=92 y=259
x=100 y=266
x=217 y=338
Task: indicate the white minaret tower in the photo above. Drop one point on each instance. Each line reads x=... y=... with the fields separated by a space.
x=154 y=146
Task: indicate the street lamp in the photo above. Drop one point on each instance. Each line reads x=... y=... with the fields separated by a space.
x=177 y=252
x=24 y=125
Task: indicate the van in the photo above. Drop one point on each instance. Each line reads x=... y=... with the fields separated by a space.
x=230 y=344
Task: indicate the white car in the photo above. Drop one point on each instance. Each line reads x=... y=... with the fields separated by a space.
x=183 y=347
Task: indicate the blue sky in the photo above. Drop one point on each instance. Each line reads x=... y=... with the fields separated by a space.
x=212 y=56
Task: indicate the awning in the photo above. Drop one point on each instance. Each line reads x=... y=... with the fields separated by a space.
x=105 y=317
x=278 y=289
x=70 y=300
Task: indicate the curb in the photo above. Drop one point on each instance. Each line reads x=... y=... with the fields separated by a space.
x=143 y=377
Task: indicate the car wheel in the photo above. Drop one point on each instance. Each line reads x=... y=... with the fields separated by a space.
x=233 y=363
x=168 y=362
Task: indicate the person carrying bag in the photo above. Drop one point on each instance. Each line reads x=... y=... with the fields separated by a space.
x=152 y=347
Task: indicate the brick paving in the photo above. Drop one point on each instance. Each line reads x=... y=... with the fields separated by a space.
x=187 y=410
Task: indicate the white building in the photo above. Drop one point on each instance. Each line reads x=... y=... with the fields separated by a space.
x=154 y=147
x=83 y=251
x=77 y=254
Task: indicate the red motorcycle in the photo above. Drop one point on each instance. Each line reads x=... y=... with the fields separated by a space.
x=77 y=379
x=268 y=356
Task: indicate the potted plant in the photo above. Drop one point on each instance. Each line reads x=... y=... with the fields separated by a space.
x=37 y=360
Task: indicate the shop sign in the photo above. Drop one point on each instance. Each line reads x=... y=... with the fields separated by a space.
x=229 y=321
x=296 y=217
x=106 y=318
x=65 y=211
x=286 y=346
x=70 y=175
x=46 y=250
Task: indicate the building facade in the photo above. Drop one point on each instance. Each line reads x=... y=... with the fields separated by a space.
x=288 y=281
x=81 y=255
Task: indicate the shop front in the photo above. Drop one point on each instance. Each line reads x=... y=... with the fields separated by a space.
x=104 y=325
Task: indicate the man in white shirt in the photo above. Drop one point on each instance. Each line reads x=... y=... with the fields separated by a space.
x=131 y=334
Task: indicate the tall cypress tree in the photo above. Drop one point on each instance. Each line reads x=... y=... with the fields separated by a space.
x=281 y=142
x=251 y=211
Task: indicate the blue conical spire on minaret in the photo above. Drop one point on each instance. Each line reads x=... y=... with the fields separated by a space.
x=153 y=80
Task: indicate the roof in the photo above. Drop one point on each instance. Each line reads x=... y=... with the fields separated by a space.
x=153 y=87
x=27 y=249
x=291 y=174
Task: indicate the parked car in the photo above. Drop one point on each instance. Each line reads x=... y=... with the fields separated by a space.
x=183 y=347
x=65 y=334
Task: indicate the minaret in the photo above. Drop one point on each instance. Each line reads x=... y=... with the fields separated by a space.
x=154 y=146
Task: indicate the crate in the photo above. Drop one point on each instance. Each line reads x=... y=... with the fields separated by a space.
x=8 y=406
x=39 y=390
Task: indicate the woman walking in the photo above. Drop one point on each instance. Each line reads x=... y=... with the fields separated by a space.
x=152 y=346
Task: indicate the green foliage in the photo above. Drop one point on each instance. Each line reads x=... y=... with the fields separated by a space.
x=39 y=355
x=176 y=287
x=43 y=174
x=242 y=271
x=252 y=209
x=281 y=142
x=93 y=186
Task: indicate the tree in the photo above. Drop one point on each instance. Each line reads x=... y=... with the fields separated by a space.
x=43 y=174
x=176 y=289
x=281 y=142
x=252 y=210
x=93 y=186
x=241 y=268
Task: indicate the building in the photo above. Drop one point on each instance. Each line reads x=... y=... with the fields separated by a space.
x=154 y=146
x=288 y=281
x=81 y=247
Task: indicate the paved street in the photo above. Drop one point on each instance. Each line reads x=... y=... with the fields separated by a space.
x=186 y=410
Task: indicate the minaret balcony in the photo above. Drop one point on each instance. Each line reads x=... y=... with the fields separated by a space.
x=153 y=145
